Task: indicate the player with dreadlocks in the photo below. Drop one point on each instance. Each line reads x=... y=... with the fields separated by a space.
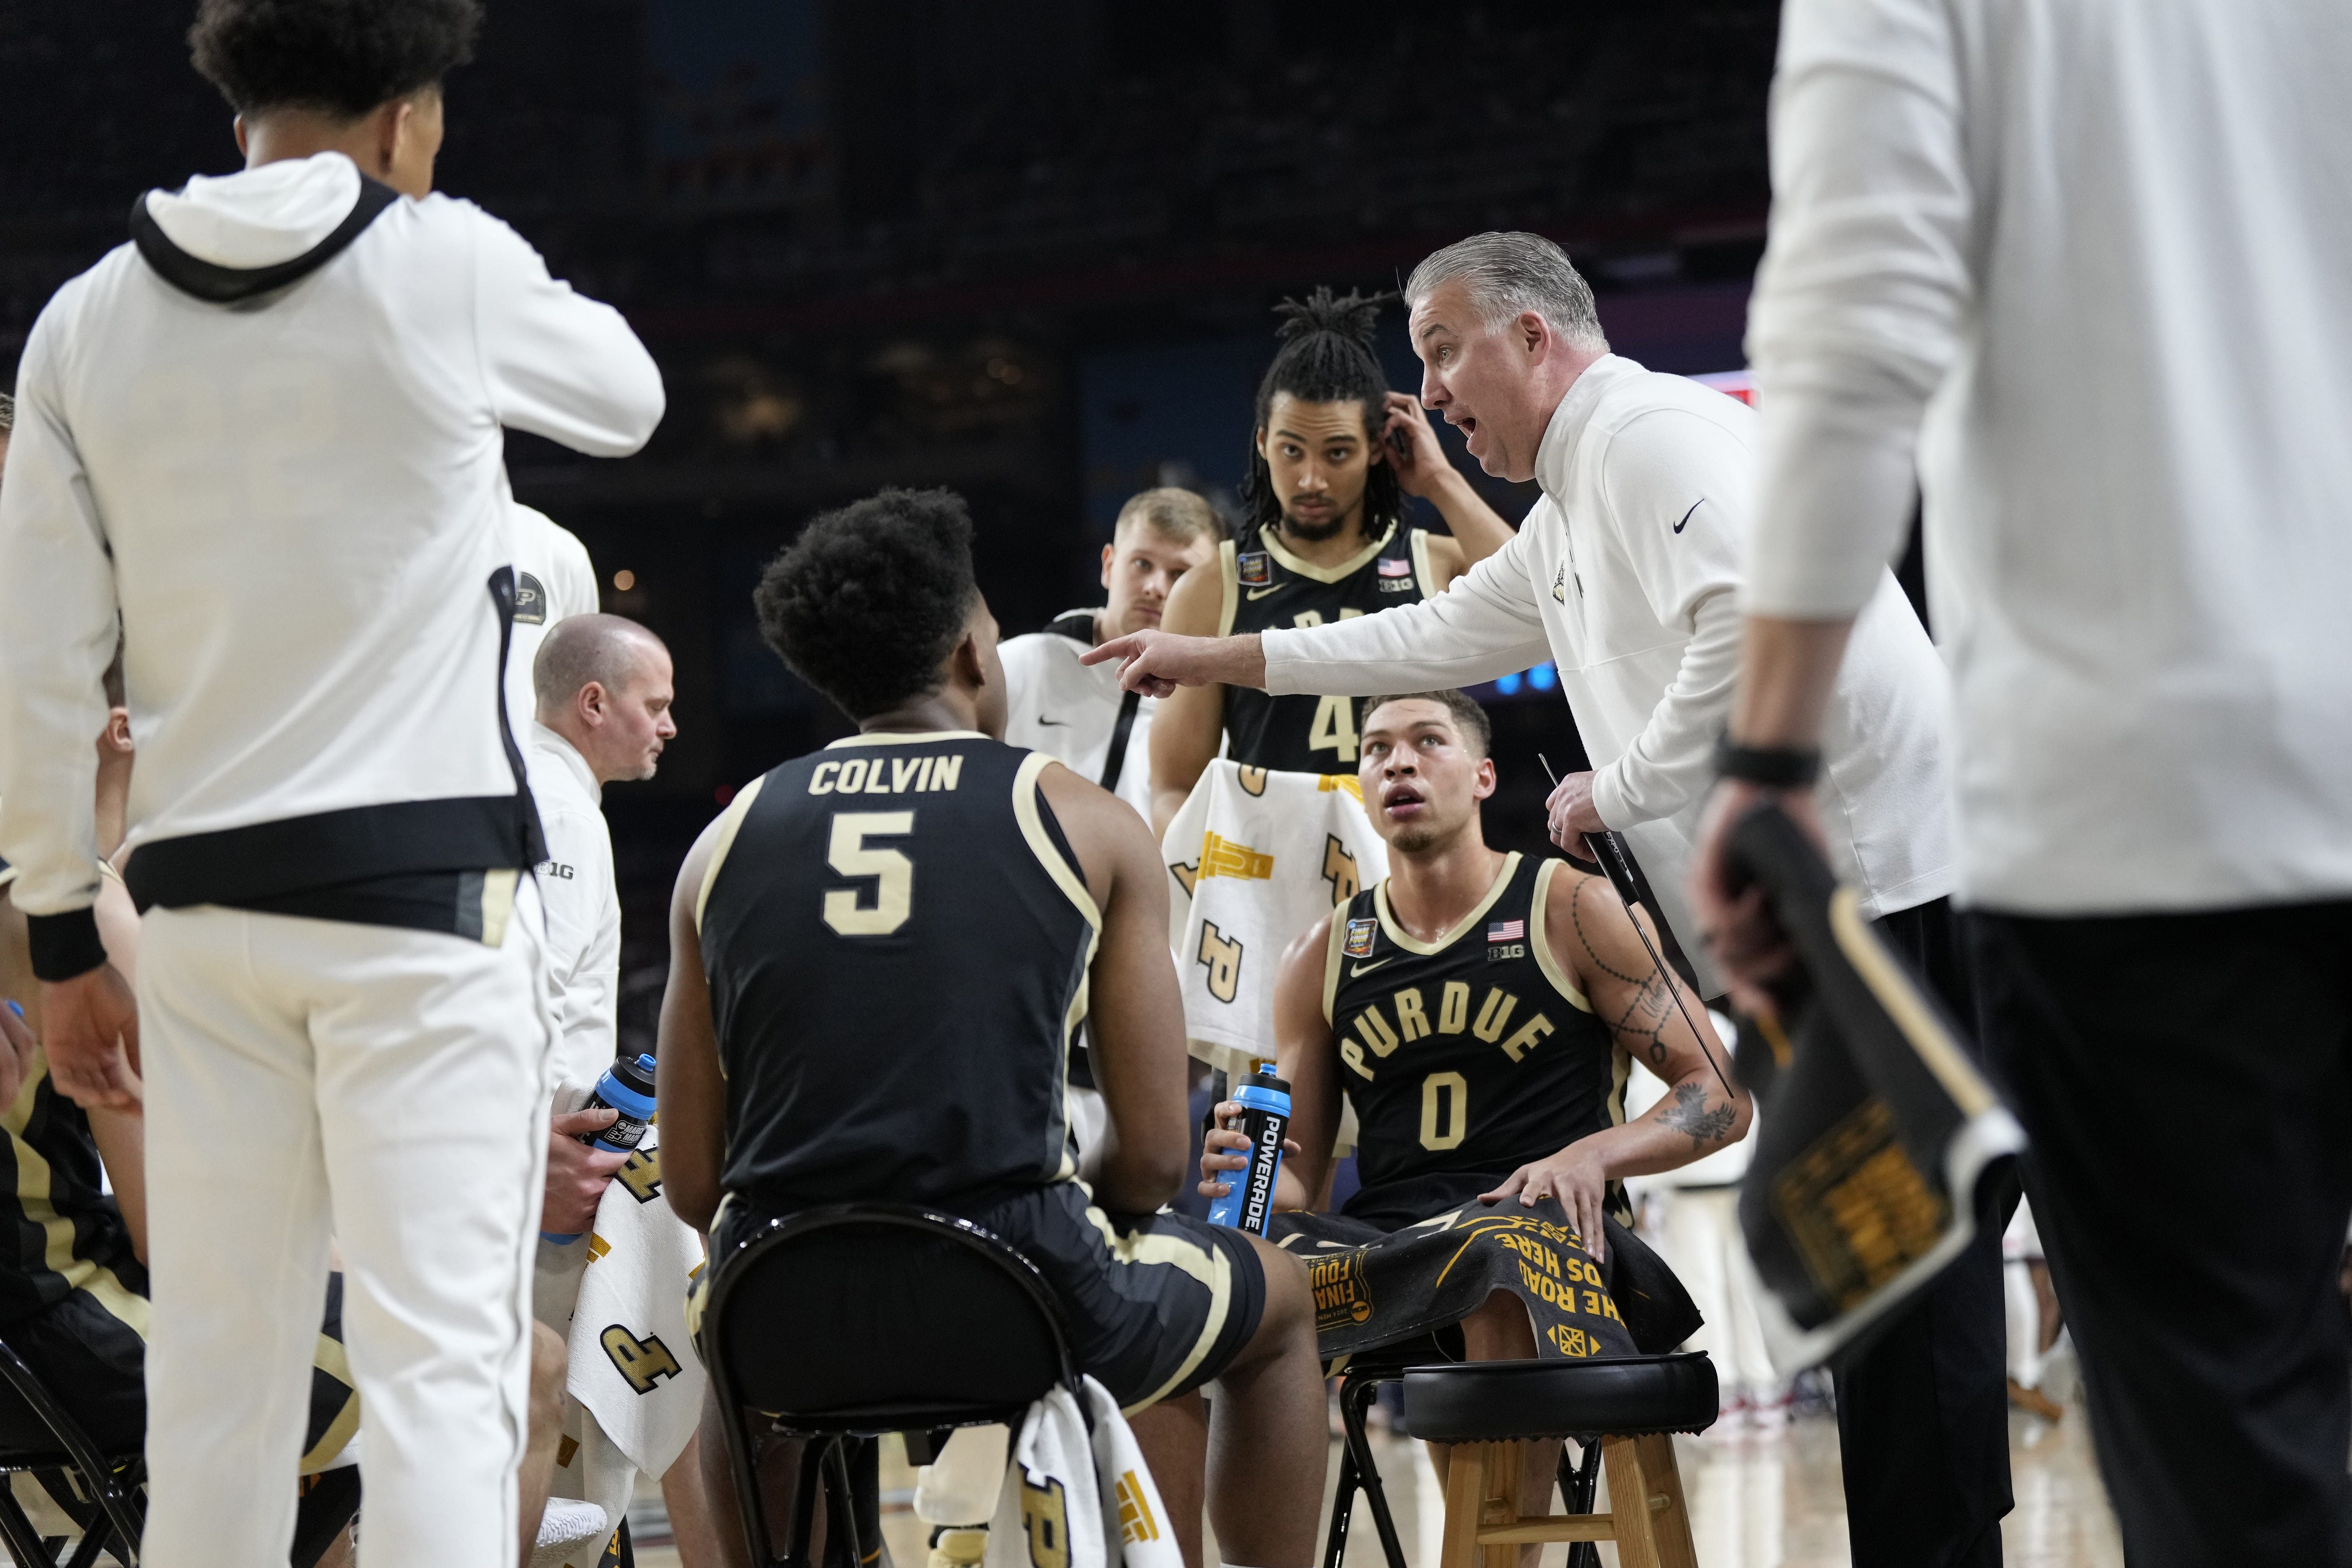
x=1333 y=453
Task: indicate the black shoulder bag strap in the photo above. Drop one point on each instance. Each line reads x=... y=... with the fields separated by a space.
x=1116 y=760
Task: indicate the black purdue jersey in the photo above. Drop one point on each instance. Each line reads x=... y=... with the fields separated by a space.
x=897 y=937
x=66 y=1232
x=1267 y=588
x=1464 y=1058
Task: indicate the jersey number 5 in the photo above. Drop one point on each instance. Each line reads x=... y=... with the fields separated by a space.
x=893 y=873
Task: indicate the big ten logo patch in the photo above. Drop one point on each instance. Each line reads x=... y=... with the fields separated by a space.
x=557 y=869
x=1339 y=871
x=641 y=1362
x=1222 y=955
x=1342 y=1296
x=642 y=1174
x=1045 y=1515
x=1135 y=1523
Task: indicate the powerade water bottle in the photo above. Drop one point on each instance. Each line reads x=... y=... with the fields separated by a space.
x=628 y=1087
x=1248 y=1203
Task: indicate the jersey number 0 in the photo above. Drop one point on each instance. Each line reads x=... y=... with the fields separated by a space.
x=893 y=873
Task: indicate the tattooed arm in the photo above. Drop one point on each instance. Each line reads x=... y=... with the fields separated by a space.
x=1593 y=940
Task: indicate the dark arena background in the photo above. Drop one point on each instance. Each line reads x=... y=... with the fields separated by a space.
x=1025 y=249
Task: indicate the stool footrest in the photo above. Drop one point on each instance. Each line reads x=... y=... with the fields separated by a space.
x=1556 y=1527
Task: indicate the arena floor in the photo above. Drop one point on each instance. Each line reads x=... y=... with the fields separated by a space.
x=1756 y=1501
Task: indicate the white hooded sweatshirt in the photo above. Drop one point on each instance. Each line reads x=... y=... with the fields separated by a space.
x=270 y=435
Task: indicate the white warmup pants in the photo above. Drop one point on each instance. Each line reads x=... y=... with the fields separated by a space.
x=307 y=1078
x=1697 y=1238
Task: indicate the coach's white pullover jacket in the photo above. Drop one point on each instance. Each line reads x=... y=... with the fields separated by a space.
x=1628 y=574
x=292 y=490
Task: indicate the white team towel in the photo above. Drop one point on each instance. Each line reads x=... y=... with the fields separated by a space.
x=1071 y=1500
x=618 y=1297
x=1255 y=857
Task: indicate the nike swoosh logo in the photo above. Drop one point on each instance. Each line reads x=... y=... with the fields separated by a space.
x=1058 y=723
x=1687 y=516
x=1262 y=592
x=1356 y=968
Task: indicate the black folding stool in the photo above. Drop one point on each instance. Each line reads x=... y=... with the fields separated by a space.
x=1360 y=1384
x=109 y=1482
x=852 y=1321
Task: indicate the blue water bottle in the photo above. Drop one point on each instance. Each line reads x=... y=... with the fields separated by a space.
x=1248 y=1203
x=626 y=1086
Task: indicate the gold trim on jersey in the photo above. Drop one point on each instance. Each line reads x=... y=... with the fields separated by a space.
x=1333 y=957
x=497 y=903
x=1308 y=569
x=1539 y=937
x=1025 y=798
x=730 y=822
x=1229 y=577
x=1206 y=1264
x=902 y=738
x=330 y=1359
x=1460 y=929
x=1425 y=571
x=35 y=1205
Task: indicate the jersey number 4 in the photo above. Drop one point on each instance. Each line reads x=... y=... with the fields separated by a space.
x=894 y=875
x=1334 y=729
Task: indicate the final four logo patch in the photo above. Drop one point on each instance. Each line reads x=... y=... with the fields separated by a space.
x=1359 y=937
x=1255 y=569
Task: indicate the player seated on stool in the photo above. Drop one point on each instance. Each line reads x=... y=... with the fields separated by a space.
x=80 y=1323
x=878 y=953
x=1477 y=1009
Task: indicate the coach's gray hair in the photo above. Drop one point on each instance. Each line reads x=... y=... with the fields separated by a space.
x=582 y=649
x=1507 y=273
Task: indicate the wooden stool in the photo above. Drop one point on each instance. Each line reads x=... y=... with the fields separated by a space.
x=1487 y=1409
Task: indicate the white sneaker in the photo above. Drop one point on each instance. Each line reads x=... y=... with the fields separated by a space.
x=570 y=1531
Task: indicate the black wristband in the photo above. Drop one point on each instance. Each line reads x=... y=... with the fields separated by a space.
x=63 y=946
x=1775 y=767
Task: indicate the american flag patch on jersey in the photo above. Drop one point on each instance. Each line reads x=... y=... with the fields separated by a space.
x=1359 y=937
x=1395 y=566
x=1506 y=931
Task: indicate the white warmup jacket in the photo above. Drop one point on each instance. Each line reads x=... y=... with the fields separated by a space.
x=1628 y=574
x=270 y=433
x=583 y=907
x=554 y=580
x=2100 y=249
x=1070 y=711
